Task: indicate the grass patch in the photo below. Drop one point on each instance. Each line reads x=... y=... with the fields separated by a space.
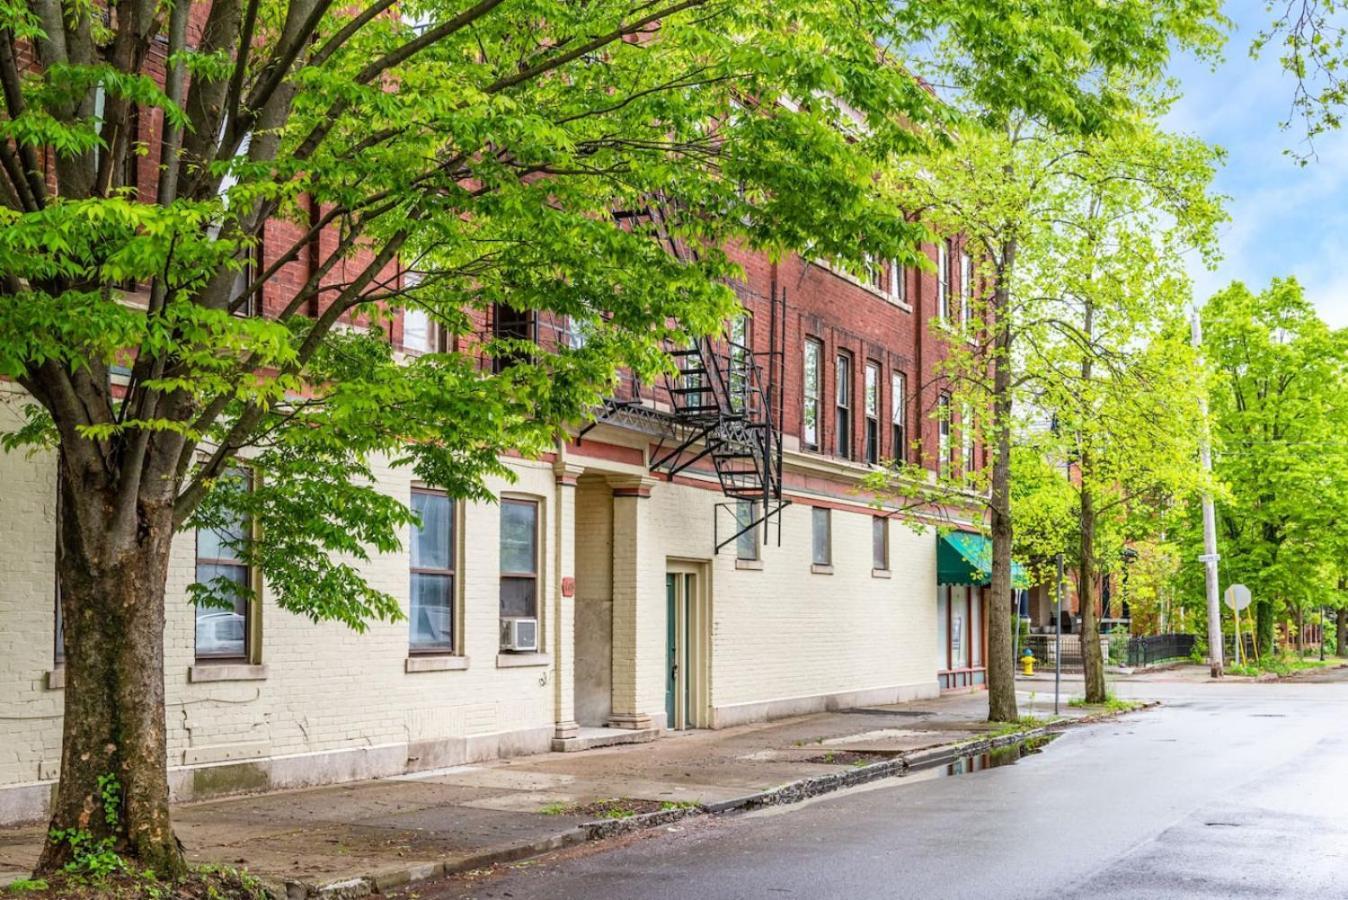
x=1112 y=704
x=26 y=886
x=1282 y=665
x=614 y=808
x=671 y=805
x=202 y=883
x=1025 y=723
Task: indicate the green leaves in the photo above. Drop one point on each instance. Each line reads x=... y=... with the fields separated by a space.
x=1278 y=417
x=594 y=168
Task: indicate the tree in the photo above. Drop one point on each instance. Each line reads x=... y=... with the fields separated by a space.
x=1107 y=354
x=539 y=156
x=1081 y=237
x=1278 y=414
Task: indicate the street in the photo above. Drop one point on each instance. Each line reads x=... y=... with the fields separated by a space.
x=1224 y=791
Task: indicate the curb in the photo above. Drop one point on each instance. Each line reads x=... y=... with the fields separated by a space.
x=791 y=792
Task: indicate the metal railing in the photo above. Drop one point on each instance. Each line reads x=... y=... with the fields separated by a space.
x=1154 y=648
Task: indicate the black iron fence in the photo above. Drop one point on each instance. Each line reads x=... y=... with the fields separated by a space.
x=1154 y=648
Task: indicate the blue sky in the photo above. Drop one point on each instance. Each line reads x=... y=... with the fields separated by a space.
x=1285 y=219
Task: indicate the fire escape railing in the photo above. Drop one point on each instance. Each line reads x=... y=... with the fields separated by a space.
x=722 y=407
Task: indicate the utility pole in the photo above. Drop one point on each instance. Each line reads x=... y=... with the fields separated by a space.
x=1057 y=642
x=1209 y=557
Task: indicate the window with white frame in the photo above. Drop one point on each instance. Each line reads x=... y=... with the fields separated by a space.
x=967 y=455
x=739 y=362
x=966 y=288
x=898 y=414
x=872 y=409
x=418 y=330
x=897 y=288
x=431 y=610
x=811 y=405
x=821 y=536
x=943 y=434
x=943 y=281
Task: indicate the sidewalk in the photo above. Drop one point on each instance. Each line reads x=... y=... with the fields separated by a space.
x=376 y=834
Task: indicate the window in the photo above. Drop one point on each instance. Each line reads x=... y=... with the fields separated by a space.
x=877 y=275
x=967 y=440
x=418 y=330
x=898 y=284
x=966 y=288
x=746 y=544
x=245 y=277
x=821 y=536
x=872 y=412
x=519 y=559
x=739 y=362
x=898 y=414
x=943 y=444
x=880 y=543
x=809 y=432
x=943 y=281
x=222 y=633
x=509 y=323
x=843 y=381
x=431 y=613
x=577 y=332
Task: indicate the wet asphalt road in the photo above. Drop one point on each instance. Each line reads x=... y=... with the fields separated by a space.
x=1226 y=791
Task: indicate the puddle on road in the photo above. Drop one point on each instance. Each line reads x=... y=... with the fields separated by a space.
x=1007 y=755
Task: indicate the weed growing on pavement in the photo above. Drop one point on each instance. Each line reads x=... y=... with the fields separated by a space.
x=26 y=885
x=1112 y=704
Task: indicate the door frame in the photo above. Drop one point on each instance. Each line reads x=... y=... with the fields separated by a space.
x=692 y=635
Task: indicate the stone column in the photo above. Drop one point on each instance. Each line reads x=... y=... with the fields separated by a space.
x=564 y=603
x=638 y=571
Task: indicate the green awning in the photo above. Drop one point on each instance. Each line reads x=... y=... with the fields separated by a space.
x=963 y=557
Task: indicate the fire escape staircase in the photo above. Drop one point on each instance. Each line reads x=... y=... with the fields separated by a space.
x=722 y=407
x=721 y=410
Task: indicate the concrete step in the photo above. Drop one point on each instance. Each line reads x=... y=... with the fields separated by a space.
x=592 y=738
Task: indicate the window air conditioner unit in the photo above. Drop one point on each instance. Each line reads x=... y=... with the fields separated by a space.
x=519 y=634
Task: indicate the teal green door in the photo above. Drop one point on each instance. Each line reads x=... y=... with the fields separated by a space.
x=672 y=648
x=680 y=600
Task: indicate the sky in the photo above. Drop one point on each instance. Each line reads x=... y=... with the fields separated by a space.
x=1286 y=219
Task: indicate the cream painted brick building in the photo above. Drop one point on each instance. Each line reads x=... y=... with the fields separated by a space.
x=320 y=703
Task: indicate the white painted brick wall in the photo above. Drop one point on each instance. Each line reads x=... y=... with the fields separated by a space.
x=777 y=633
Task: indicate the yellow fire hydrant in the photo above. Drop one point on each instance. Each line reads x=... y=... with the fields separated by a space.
x=1027 y=662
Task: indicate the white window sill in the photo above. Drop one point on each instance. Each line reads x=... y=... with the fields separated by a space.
x=522 y=660
x=205 y=673
x=56 y=679
x=751 y=565
x=817 y=569
x=881 y=573
x=435 y=664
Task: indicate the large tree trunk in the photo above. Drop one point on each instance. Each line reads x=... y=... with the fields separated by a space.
x=1001 y=651
x=113 y=781
x=1341 y=631
x=1263 y=621
x=1092 y=660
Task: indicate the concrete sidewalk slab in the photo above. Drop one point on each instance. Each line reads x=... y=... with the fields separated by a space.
x=376 y=834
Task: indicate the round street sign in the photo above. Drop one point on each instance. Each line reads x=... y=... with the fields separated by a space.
x=1237 y=597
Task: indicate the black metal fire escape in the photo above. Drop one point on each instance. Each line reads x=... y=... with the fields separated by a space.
x=725 y=408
